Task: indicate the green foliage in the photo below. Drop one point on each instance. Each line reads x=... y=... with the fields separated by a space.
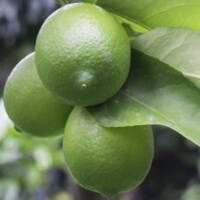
x=25 y=160
x=158 y=91
x=192 y=193
x=165 y=72
x=157 y=13
x=176 y=47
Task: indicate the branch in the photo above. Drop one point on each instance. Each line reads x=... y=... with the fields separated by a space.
x=62 y=2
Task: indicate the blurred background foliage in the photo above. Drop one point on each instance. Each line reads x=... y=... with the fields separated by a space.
x=34 y=169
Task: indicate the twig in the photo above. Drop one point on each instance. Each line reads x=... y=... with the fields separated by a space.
x=62 y=2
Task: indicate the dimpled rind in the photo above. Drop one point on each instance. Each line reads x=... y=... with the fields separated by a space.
x=30 y=105
x=82 y=54
x=106 y=160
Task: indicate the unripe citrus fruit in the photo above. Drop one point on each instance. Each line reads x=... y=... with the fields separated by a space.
x=30 y=105
x=82 y=54
x=106 y=160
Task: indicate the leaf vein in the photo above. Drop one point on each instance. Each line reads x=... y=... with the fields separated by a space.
x=150 y=108
x=168 y=9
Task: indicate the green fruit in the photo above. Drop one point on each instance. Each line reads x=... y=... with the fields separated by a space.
x=30 y=105
x=82 y=54
x=106 y=160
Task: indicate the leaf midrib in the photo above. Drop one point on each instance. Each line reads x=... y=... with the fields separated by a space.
x=153 y=110
x=163 y=58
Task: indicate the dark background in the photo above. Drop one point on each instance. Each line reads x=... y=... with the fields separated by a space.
x=33 y=169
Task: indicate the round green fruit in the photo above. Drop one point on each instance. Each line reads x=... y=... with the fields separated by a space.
x=82 y=54
x=30 y=105
x=106 y=160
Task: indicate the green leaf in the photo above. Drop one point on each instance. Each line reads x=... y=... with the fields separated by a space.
x=155 y=94
x=156 y=13
x=178 y=48
x=133 y=25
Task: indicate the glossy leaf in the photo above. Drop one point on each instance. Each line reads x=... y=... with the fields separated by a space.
x=179 y=48
x=156 y=13
x=155 y=94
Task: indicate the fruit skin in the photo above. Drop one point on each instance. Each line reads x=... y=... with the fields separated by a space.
x=30 y=105
x=82 y=54
x=106 y=160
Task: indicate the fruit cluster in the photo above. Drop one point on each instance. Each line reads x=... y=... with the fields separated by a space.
x=82 y=58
